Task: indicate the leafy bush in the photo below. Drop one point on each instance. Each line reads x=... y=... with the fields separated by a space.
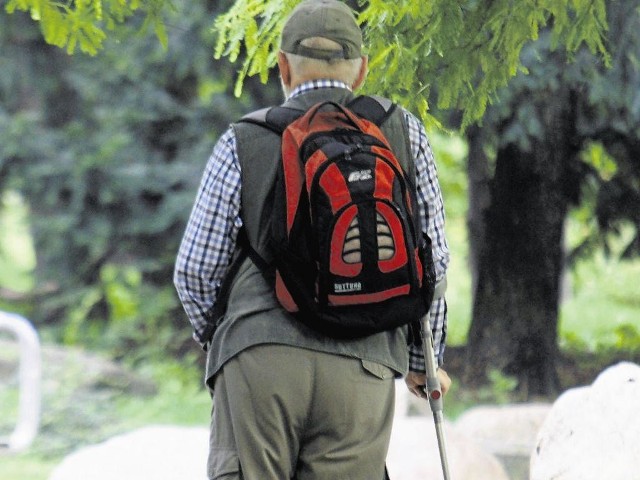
x=107 y=155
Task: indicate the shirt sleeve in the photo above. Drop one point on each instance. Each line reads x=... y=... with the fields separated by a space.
x=432 y=217
x=210 y=235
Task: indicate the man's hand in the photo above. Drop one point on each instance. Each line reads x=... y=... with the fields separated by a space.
x=416 y=383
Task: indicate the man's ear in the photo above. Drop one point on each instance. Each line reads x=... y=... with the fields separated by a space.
x=285 y=70
x=362 y=74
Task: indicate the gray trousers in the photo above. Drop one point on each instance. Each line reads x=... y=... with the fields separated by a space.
x=282 y=412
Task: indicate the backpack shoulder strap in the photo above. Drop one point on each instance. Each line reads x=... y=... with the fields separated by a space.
x=276 y=119
x=374 y=108
x=388 y=116
x=244 y=250
x=258 y=116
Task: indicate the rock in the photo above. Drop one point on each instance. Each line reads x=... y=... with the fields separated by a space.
x=178 y=453
x=507 y=431
x=414 y=454
x=593 y=432
x=155 y=452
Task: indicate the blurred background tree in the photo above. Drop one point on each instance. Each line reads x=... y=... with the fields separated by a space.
x=562 y=134
x=107 y=152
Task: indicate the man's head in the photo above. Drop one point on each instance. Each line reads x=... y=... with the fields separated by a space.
x=330 y=19
x=321 y=39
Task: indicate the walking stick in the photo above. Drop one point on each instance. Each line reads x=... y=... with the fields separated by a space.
x=435 y=393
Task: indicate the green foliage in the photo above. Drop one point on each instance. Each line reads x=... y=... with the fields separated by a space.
x=596 y=156
x=602 y=110
x=26 y=465
x=459 y=295
x=451 y=55
x=600 y=311
x=628 y=337
x=17 y=258
x=133 y=325
x=238 y=28
x=106 y=153
x=501 y=389
x=450 y=152
x=501 y=386
x=85 y=23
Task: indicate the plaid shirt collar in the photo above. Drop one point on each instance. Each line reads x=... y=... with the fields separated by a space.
x=316 y=85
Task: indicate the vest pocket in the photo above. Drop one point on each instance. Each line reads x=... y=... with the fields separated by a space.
x=223 y=464
x=378 y=370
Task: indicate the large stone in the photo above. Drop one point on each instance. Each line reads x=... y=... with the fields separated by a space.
x=593 y=433
x=179 y=453
x=414 y=454
x=507 y=431
x=154 y=453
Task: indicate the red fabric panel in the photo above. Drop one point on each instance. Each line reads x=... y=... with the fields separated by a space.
x=335 y=186
x=357 y=299
x=292 y=174
x=384 y=177
x=284 y=297
x=419 y=267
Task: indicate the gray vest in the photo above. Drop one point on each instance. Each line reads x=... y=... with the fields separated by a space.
x=253 y=313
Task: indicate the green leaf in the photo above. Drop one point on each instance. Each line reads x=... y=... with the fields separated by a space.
x=597 y=157
x=161 y=32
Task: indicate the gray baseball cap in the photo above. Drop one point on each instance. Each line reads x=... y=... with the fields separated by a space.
x=329 y=19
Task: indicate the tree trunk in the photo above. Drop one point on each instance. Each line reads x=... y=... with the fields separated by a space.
x=479 y=175
x=520 y=257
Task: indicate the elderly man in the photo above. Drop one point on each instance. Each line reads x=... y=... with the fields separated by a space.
x=289 y=402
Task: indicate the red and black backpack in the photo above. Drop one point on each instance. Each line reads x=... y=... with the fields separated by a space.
x=349 y=256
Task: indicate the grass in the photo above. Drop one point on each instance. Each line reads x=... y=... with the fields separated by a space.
x=26 y=466
x=603 y=310
x=17 y=257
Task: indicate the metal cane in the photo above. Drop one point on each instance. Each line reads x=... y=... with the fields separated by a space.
x=435 y=393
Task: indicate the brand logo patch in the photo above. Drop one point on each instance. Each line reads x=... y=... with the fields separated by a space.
x=359 y=176
x=347 y=287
